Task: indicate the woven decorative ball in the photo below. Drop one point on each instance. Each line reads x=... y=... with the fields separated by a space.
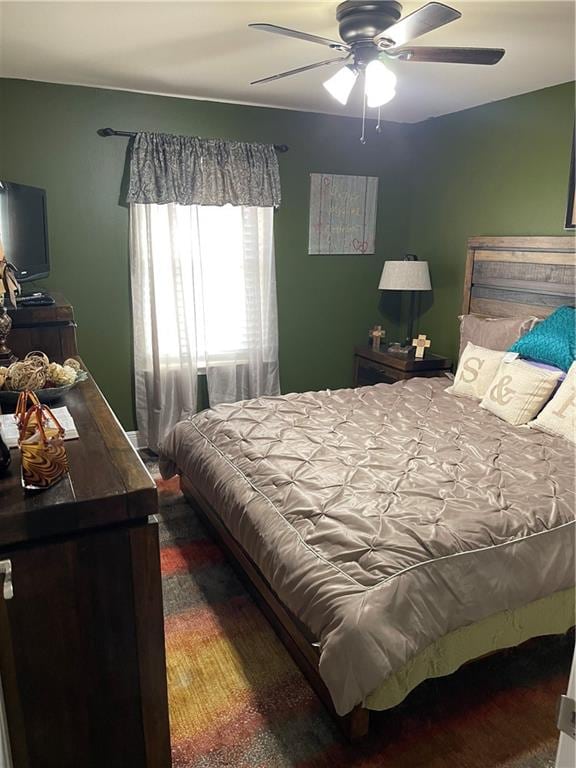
x=72 y=363
x=37 y=359
x=26 y=375
x=3 y=375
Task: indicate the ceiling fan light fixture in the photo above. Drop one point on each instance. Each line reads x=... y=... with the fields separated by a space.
x=340 y=85
x=380 y=85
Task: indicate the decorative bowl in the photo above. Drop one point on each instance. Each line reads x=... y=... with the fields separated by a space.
x=46 y=395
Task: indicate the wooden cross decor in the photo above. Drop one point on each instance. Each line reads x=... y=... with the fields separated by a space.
x=376 y=334
x=421 y=344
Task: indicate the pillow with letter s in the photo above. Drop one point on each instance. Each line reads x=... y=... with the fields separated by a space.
x=476 y=369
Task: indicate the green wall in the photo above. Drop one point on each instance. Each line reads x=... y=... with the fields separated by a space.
x=325 y=303
x=499 y=169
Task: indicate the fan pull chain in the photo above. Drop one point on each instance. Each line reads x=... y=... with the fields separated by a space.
x=378 y=126
x=363 y=137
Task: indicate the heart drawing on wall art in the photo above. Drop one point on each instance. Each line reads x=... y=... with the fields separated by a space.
x=361 y=246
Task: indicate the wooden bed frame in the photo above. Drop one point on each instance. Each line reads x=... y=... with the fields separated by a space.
x=504 y=277
x=518 y=276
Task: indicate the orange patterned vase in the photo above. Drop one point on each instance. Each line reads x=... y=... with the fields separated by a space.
x=43 y=455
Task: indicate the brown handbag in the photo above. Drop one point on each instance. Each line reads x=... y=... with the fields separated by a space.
x=43 y=456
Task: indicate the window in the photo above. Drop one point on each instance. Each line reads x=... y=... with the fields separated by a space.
x=211 y=274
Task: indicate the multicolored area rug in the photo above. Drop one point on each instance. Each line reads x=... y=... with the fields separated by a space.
x=238 y=701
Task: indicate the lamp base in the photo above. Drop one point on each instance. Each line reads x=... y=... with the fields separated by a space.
x=6 y=355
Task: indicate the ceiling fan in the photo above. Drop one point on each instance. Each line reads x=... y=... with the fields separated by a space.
x=372 y=32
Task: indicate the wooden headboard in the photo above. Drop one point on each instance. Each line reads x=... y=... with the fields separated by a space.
x=519 y=276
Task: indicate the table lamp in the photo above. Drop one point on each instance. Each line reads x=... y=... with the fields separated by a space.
x=406 y=275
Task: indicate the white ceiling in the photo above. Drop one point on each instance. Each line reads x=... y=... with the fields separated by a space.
x=205 y=50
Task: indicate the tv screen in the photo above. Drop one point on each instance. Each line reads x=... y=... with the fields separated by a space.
x=24 y=230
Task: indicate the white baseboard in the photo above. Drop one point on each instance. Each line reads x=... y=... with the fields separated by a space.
x=136 y=440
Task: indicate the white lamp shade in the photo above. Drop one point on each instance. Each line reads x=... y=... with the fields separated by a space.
x=380 y=84
x=405 y=276
x=340 y=84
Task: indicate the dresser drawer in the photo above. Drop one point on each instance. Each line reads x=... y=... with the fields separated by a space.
x=368 y=373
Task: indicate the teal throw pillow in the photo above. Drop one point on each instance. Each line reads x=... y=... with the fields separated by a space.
x=552 y=341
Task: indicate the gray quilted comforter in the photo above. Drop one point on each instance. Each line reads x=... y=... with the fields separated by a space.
x=385 y=517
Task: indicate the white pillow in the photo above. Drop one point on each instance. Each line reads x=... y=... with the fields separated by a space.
x=559 y=416
x=476 y=369
x=518 y=391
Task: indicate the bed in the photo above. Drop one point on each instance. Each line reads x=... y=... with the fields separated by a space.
x=393 y=533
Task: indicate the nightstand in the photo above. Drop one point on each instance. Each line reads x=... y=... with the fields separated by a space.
x=371 y=367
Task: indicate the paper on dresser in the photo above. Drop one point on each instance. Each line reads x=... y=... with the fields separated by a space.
x=10 y=430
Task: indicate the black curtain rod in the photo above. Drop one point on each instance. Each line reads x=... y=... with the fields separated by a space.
x=131 y=134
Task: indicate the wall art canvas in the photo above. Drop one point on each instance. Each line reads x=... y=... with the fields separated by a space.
x=342 y=213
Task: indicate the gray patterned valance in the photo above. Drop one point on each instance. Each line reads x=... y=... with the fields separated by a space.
x=192 y=171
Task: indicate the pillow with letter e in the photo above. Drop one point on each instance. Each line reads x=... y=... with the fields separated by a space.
x=518 y=391
x=559 y=416
x=476 y=369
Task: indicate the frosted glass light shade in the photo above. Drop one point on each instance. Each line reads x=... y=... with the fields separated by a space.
x=405 y=276
x=380 y=84
x=341 y=84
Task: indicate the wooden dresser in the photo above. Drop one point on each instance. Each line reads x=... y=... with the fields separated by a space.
x=50 y=328
x=82 y=659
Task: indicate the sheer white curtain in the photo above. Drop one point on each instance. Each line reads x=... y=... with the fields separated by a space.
x=204 y=299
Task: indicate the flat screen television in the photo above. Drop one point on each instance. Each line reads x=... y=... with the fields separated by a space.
x=24 y=230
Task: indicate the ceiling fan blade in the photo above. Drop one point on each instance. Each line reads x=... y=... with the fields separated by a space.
x=425 y=19
x=298 y=70
x=450 y=55
x=276 y=30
